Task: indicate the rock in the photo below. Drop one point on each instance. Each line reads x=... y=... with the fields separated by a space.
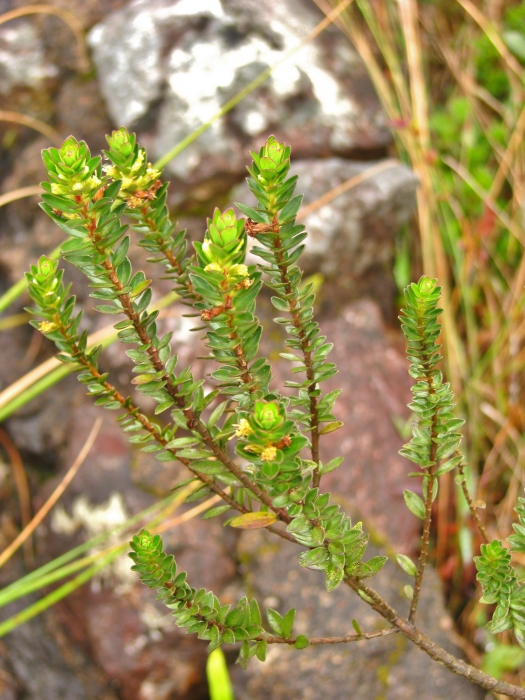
x=37 y=660
x=81 y=112
x=22 y=59
x=351 y=240
x=183 y=60
x=390 y=667
x=33 y=666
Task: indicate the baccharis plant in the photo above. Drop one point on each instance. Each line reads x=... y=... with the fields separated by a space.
x=254 y=444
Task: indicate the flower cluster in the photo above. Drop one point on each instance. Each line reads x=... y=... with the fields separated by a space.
x=73 y=175
x=128 y=163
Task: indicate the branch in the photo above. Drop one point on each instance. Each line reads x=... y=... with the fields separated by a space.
x=429 y=647
x=330 y=640
x=468 y=498
x=303 y=338
x=193 y=422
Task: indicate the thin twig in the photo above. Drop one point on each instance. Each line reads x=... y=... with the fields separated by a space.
x=435 y=652
x=337 y=191
x=331 y=640
x=472 y=507
x=425 y=538
x=57 y=493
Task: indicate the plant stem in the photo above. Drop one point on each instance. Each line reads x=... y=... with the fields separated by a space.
x=472 y=507
x=433 y=650
x=331 y=640
x=193 y=422
x=303 y=339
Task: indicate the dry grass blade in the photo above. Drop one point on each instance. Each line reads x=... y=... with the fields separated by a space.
x=32 y=123
x=188 y=515
x=68 y=17
x=57 y=493
x=20 y=193
x=347 y=185
x=22 y=487
x=493 y=35
x=48 y=366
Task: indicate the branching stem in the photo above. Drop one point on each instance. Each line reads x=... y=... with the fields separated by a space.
x=433 y=650
x=193 y=422
x=303 y=339
x=127 y=405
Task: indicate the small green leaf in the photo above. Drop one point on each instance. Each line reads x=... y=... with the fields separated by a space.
x=414 y=504
x=275 y=621
x=448 y=466
x=355 y=625
x=214 y=512
x=376 y=564
x=409 y=592
x=287 y=623
x=290 y=210
x=301 y=642
x=331 y=427
x=252 y=214
x=260 y=650
x=331 y=465
x=406 y=564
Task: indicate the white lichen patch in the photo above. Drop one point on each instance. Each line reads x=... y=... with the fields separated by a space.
x=95 y=520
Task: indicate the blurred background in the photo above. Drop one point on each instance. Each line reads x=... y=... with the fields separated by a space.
x=406 y=121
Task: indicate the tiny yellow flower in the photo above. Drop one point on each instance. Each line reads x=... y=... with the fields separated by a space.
x=47 y=326
x=140 y=159
x=243 y=428
x=213 y=266
x=269 y=454
x=239 y=270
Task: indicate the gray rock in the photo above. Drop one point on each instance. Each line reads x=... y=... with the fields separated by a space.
x=390 y=668
x=22 y=59
x=194 y=56
x=351 y=240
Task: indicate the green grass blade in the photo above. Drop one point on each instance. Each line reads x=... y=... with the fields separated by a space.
x=219 y=682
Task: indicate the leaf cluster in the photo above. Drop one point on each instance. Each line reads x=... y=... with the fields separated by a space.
x=499 y=581
x=199 y=611
x=435 y=436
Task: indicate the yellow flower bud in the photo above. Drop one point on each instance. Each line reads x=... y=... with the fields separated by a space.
x=269 y=454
